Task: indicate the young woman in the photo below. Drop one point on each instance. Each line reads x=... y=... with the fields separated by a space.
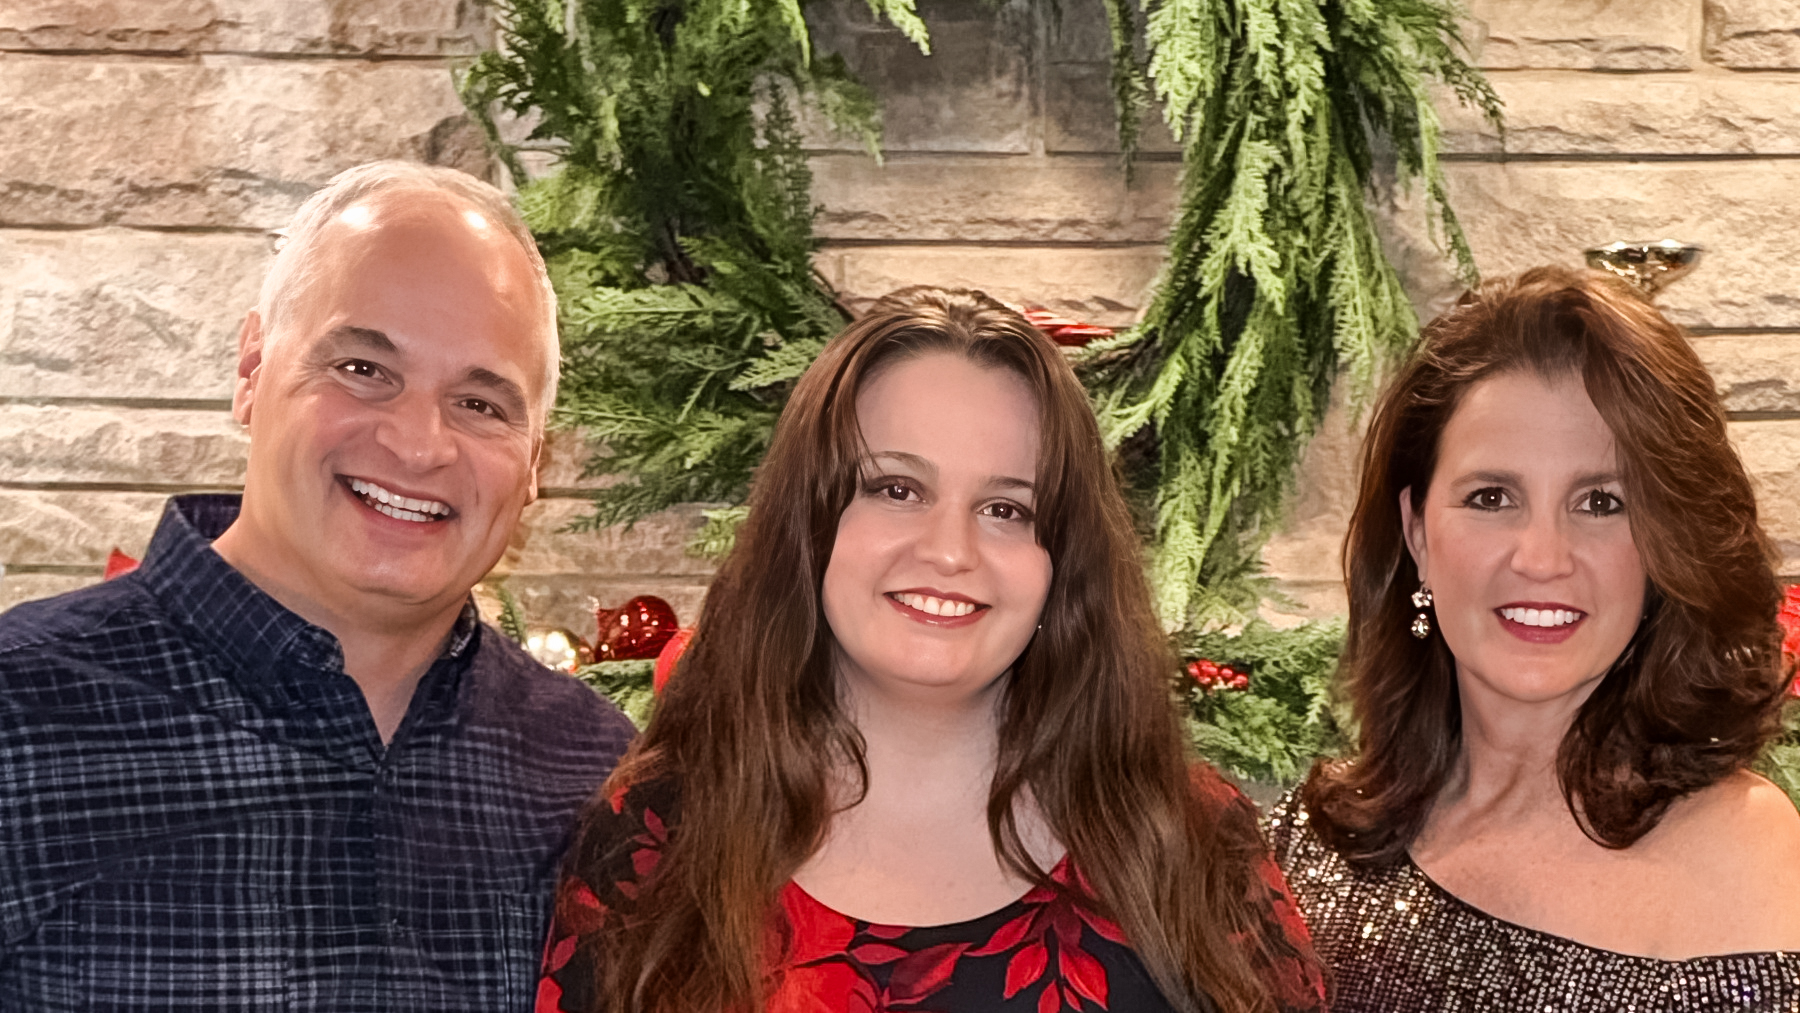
x=922 y=752
x=1563 y=654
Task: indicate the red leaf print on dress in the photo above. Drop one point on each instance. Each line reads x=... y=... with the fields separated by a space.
x=1025 y=967
x=833 y=985
x=643 y=860
x=1054 y=917
x=918 y=975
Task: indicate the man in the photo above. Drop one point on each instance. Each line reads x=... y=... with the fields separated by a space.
x=282 y=766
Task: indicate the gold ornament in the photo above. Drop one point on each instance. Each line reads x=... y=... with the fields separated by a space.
x=557 y=648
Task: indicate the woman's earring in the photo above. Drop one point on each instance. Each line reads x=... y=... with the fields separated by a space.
x=1421 y=624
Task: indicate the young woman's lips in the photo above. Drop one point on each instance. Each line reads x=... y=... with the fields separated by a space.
x=915 y=605
x=1540 y=622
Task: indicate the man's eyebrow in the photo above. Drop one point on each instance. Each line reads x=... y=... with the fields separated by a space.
x=367 y=337
x=504 y=390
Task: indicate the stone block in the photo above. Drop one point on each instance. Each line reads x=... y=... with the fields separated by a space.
x=1080 y=115
x=221 y=142
x=652 y=547
x=1101 y=285
x=120 y=445
x=18 y=588
x=72 y=528
x=1752 y=34
x=1519 y=215
x=1611 y=35
x=122 y=313
x=1771 y=453
x=1754 y=372
x=560 y=466
x=344 y=27
x=965 y=199
x=1306 y=551
x=1609 y=114
x=973 y=93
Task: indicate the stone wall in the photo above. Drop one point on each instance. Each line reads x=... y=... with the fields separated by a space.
x=152 y=143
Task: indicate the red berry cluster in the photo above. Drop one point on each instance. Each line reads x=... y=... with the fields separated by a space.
x=1063 y=330
x=1211 y=675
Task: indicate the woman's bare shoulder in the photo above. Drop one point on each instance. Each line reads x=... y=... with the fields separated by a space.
x=1738 y=842
x=1743 y=818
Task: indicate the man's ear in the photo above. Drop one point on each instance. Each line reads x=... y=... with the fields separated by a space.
x=1412 y=528
x=250 y=350
x=537 y=461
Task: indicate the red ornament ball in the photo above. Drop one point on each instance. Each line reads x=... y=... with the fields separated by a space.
x=671 y=653
x=637 y=629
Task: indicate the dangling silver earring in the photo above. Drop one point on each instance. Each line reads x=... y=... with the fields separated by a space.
x=1421 y=624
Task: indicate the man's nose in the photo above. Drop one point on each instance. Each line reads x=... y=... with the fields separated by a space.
x=414 y=432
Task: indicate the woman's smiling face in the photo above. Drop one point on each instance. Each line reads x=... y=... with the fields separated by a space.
x=1525 y=541
x=936 y=580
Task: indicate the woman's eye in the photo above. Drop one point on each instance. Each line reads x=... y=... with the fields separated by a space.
x=899 y=492
x=1491 y=498
x=1600 y=503
x=1006 y=512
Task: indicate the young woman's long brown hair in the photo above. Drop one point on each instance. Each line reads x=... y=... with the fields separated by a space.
x=751 y=730
x=1696 y=693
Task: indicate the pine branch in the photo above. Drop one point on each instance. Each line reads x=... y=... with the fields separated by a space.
x=1275 y=282
x=678 y=226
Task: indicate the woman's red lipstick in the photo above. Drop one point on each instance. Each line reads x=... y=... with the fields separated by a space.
x=898 y=599
x=1555 y=633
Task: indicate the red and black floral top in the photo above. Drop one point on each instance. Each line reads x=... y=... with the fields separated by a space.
x=1046 y=951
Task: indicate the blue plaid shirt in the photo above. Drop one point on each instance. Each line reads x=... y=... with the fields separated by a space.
x=197 y=813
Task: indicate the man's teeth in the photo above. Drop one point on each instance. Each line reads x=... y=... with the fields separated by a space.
x=1541 y=617
x=935 y=606
x=403 y=508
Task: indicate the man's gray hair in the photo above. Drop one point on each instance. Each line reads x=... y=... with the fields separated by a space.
x=294 y=264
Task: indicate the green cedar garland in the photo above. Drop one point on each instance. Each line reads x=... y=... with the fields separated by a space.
x=678 y=227
x=1275 y=280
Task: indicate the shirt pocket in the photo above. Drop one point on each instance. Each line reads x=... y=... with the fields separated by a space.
x=159 y=945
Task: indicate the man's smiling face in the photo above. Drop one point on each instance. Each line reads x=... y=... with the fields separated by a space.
x=395 y=410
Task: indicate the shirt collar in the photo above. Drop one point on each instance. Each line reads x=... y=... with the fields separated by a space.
x=236 y=619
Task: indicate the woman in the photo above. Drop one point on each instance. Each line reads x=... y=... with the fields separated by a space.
x=922 y=753
x=1562 y=656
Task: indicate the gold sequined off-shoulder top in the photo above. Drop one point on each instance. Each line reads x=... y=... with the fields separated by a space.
x=1396 y=942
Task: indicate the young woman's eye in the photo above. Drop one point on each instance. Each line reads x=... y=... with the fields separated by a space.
x=1600 y=503
x=1491 y=498
x=892 y=489
x=1006 y=512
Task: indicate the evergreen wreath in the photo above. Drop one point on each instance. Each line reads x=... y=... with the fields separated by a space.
x=1275 y=281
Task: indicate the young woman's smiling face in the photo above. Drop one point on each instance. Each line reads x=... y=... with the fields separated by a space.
x=1525 y=541
x=936 y=580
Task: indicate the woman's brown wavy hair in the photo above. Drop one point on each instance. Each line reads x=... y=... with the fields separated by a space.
x=1696 y=693
x=750 y=728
